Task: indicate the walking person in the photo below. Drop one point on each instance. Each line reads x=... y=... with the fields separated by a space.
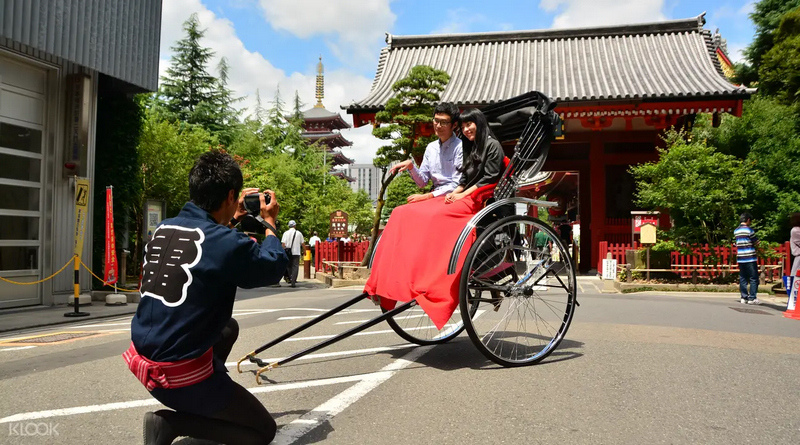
x=441 y=162
x=312 y=244
x=183 y=332
x=794 y=242
x=746 y=256
x=293 y=243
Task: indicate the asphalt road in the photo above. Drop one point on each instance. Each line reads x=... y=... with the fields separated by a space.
x=633 y=369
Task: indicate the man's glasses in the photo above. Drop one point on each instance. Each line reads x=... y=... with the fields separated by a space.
x=441 y=122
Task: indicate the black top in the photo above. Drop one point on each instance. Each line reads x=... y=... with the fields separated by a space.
x=490 y=169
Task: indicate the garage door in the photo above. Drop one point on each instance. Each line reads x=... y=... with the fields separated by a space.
x=22 y=120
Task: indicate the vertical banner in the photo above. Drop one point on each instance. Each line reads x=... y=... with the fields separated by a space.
x=111 y=241
x=81 y=212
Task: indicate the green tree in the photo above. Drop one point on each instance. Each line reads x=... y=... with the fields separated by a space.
x=278 y=158
x=779 y=73
x=766 y=137
x=411 y=106
x=703 y=190
x=167 y=151
x=188 y=93
x=766 y=17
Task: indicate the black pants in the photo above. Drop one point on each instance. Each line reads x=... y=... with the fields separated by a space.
x=243 y=421
x=292 y=269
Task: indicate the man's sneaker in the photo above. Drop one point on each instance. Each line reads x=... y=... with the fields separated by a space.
x=743 y=300
x=753 y=301
x=155 y=430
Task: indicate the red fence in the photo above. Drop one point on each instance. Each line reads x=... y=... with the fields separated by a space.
x=684 y=264
x=338 y=251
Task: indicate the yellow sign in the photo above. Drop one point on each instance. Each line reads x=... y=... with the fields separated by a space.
x=81 y=212
x=648 y=233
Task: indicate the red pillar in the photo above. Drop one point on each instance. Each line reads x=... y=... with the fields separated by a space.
x=597 y=180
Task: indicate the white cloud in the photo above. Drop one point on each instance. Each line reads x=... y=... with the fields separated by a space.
x=736 y=51
x=365 y=145
x=747 y=8
x=353 y=29
x=590 y=13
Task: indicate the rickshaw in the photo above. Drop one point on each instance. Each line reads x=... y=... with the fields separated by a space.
x=517 y=291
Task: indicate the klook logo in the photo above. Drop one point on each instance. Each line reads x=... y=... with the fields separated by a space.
x=21 y=429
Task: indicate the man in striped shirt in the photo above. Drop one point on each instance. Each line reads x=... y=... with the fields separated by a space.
x=746 y=242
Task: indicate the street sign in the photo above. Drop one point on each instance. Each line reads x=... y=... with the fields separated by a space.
x=648 y=234
x=338 y=224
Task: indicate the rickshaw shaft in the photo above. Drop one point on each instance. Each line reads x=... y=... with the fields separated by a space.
x=366 y=325
x=307 y=325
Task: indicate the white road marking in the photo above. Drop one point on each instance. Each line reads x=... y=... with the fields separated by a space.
x=150 y=402
x=104 y=325
x=329 y=354
x=19 y=348
x=290 y=433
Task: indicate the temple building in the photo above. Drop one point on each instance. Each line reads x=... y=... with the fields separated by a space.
x=618 y=88
x=323 y=126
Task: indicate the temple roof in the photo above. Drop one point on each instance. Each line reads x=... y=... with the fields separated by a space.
x=330 y=139
x=670 y=60
x=318 y=115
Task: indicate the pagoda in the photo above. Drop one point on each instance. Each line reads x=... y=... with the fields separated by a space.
x=322 y=126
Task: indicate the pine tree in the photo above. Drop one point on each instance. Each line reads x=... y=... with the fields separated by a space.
x=190 y=94
x=187 y=82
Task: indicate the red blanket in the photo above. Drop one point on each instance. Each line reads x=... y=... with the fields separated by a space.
x=414 y=253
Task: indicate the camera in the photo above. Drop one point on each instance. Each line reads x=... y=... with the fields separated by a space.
x=253 y=205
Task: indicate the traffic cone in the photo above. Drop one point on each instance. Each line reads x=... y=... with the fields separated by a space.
x=791 y=308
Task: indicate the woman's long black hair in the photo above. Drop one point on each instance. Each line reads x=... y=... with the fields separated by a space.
x=475 y=150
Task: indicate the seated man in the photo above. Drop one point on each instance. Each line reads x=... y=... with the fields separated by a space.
x=442 y=160
x=183 y=332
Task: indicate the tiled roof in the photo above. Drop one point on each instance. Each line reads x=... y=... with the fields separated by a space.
x=656 y=61
x=330 y=138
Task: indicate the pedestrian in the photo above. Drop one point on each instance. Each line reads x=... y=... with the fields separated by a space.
x=441 y=162
x=747 y=258
x=293 y=243
x=183 y=332
x=346 y=238
x=794 y=242
x=312 y=244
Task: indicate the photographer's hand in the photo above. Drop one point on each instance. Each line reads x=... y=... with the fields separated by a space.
x=269 y=211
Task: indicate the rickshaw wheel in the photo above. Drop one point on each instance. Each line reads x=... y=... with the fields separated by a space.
x=531 y=291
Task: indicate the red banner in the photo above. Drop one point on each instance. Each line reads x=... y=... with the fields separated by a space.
x=111 y=242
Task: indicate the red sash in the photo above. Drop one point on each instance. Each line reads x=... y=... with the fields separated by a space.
x=169 y=375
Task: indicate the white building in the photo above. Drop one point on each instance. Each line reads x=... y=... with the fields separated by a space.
x=367 y=177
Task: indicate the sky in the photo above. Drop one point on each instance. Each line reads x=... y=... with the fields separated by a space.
x=275 y=45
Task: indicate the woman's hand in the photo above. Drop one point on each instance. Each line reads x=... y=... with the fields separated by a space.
x=453 y=197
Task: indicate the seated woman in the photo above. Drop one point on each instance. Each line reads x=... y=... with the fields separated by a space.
x=414 y=251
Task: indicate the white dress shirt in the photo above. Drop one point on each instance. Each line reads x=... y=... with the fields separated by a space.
x=440 y=164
